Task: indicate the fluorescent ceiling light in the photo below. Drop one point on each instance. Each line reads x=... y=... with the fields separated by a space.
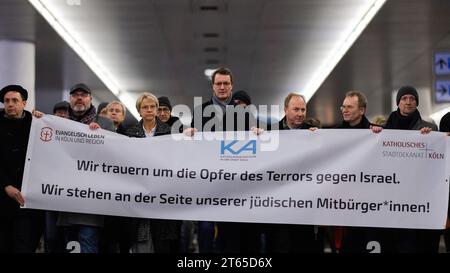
x=88 y=57
x=340 y=49
x=209 y=71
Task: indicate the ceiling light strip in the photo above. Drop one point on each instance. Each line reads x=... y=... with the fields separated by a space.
x=339 y=51
x=87 y=57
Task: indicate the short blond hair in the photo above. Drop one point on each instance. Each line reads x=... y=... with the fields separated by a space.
x=144 y=96
x=124 y=109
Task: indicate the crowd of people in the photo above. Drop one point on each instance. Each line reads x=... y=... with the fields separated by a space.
x=21 y=230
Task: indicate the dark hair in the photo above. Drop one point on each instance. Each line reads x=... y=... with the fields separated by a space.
x=222 y=71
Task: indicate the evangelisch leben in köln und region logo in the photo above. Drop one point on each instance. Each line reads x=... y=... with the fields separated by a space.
x=46 y=134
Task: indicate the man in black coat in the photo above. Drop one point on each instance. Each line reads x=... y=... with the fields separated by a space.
x=20 y=229
x=444 y=126
x=293 y=238
x=82 y=227
x=407 y=117
x=356 y=239
x=354 y=111
x=212 y=116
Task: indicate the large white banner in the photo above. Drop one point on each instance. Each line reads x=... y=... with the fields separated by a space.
x=327 y=177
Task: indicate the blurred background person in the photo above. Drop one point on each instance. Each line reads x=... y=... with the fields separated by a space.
x=165 y=111
x=379 y=120
x=116 y=111
x=101 y=110
x=61 y=109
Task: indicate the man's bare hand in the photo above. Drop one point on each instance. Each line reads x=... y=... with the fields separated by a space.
x=94 y=126
x=425 y=130
x=37 y=114
x=190 y=132
x=15 y=194
x=376 y=129
x=257 y=131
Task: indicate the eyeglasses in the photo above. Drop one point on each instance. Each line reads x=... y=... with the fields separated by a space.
x=226 y=84
x=349 y=107
x=83 y=95
x=345 y=107
x=164 y=109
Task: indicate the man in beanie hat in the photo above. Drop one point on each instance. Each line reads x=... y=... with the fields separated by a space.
x=241 y=98
x=407 y=90
x=61 y=109
x=20 y=229
x=407 y=117
x=165 y=112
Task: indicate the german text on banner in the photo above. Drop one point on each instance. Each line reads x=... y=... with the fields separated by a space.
x=327 y=177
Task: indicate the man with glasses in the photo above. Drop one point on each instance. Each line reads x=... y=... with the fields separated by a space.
x=206 y=117
x=355 y=239
x=353 y=111
x=211 y=116
x=212 y=112
x=165 y=112
x=84 y=228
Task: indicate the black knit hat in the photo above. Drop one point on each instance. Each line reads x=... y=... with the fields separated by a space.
x=164 y=101
x=101 y=106
x=407 y=90
x=242 y=96
x=23 y=92
x=63 y=105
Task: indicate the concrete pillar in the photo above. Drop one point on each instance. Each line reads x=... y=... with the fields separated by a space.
x=17 y=66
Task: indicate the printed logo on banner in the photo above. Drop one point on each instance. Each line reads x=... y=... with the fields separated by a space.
x=237 y=150
x=46 y=134
x=409 y=149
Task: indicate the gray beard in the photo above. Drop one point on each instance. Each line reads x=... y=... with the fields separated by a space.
x=79 y=109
